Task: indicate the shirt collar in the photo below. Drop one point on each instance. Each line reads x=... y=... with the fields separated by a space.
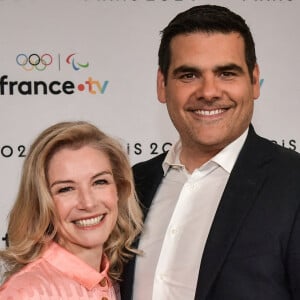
x=172 y=158
x=74 y=268
x=226 y=158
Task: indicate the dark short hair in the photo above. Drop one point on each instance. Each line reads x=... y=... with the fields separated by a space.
x=210 y=19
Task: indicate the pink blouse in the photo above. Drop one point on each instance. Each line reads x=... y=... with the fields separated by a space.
x=58 y=274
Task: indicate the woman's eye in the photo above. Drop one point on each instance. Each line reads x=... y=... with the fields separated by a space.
x=100 y=182
x=65 y=189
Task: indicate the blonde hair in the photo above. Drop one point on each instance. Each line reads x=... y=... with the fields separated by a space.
x=33 y=219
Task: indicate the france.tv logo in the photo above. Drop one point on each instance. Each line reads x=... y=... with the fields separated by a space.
x=36 y=62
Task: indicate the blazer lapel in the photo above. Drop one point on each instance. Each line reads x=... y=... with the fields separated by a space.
x=240 y=193
x=147 y=176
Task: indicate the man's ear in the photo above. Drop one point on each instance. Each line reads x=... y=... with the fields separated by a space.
x=161 y=87
x=256 y=82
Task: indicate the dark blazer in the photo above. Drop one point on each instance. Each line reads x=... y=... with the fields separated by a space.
x=253 y=248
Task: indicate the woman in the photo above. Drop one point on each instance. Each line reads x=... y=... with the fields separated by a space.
x=74 y=219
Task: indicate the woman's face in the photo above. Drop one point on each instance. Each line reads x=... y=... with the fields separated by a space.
x=85 y=194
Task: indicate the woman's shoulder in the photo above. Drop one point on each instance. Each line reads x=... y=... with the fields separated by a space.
x=28 y=283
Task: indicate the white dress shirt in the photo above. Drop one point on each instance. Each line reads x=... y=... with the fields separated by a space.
x=178 y=223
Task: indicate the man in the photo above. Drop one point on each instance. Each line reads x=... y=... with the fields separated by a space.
x=222 y=206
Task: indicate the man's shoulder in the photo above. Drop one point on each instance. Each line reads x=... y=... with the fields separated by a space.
x=279 y=151
x=287 y=158
x=147 y=176
x=261 y=149
x=150 y=164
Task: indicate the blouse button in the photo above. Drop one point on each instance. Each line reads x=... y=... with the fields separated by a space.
x=103 y=283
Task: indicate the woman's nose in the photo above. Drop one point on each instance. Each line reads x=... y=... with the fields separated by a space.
x=86 y=199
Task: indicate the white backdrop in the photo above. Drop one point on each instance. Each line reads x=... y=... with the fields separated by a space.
x=110 y=47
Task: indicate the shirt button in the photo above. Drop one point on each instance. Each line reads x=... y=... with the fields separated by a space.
x=173 y=231
x=191 y=186
x=103 y=283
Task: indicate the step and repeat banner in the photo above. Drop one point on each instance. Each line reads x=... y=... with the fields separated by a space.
x=97 y=61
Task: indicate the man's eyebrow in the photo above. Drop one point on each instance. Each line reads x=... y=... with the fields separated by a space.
x=217 y=69
x=185 y=69
x=229 y=67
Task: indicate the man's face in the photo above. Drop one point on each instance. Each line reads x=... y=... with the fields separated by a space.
x=209 y=93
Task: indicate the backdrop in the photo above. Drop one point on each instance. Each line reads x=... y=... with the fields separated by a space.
x=97 y=61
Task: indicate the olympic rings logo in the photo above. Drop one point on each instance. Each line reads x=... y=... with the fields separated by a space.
x=34 y=61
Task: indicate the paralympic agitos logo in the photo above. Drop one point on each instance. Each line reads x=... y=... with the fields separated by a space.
x=39 y=63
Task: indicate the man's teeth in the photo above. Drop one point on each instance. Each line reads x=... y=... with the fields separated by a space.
x=89 y=222
x=209 y=112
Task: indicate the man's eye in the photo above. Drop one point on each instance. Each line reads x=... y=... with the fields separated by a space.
x=227 y=74
x=188 y=76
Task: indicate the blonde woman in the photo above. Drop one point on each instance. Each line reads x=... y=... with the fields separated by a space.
x=74 y=219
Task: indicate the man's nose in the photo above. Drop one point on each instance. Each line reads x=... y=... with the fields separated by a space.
x=209 y=88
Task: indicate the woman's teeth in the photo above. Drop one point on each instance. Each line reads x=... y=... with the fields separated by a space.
x=89 y=222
